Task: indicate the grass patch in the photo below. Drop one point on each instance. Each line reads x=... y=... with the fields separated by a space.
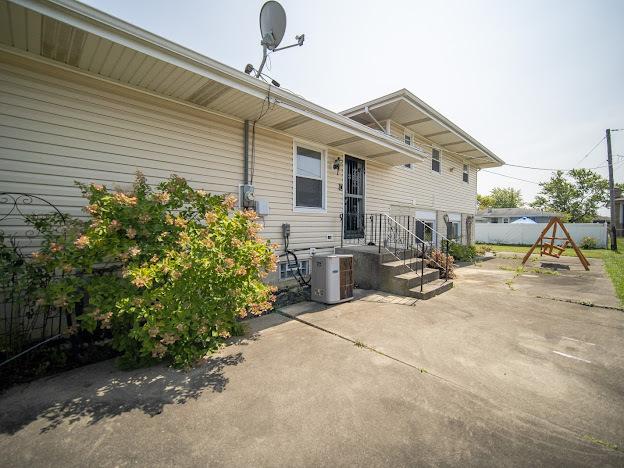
x=359 y=344
x=522 y=249
x=601 y=442
x=519 y=270
x=613 y=262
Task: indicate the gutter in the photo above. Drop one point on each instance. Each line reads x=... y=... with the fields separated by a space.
x=101 y=24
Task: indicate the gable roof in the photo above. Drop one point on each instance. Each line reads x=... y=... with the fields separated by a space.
x=404 y=108
x=71 y=35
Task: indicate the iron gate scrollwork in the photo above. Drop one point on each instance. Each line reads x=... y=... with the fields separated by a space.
x=25 y=323
x=354 y=214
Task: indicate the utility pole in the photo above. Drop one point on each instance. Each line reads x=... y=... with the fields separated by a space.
x=611 y=192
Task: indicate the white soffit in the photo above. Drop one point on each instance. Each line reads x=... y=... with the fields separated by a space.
x=410 y=112
x=77 y=36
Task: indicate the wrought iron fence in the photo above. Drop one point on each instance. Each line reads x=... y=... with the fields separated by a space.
x=26 y=323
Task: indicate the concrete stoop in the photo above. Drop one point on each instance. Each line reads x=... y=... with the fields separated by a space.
x=402 y=277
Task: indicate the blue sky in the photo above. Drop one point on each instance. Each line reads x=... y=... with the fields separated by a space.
x=536 y=82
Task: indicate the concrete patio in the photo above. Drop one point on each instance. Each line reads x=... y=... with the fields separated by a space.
x=491 y=373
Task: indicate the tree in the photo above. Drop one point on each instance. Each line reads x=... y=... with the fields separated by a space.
x=500 y=197
x=506 y=197
x=579 y=193
x=484 y=201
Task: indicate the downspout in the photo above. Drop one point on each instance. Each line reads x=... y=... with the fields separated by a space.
x=383 y=129
x=246 y=153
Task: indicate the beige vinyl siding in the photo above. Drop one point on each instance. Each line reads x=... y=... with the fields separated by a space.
x=56 y=128
x=402 y=190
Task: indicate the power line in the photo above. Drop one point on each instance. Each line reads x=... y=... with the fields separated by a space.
x=559 y=169
x=619 y=163
x=556 y=169
x=591 y=150
x=510 y=177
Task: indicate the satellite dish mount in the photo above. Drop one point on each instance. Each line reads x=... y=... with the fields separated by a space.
x=272 y=29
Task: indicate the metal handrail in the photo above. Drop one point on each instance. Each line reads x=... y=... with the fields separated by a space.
x=384 y=231
x=421 y=241
x=433 y=230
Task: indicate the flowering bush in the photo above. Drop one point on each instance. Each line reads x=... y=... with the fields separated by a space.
x=588 y=242
x=188 y=266
x=438 y=259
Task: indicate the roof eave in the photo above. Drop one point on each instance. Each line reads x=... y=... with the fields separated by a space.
x=431 y=113
x=97 y=22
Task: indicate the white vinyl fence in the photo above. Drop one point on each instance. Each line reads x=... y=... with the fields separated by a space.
x=526 y=234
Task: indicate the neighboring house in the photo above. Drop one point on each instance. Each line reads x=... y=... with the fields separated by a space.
x=88 y=97
x=509 y=215
x=619 y=212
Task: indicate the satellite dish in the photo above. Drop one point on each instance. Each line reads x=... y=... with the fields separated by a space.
x=272 y=24
x=272 y=28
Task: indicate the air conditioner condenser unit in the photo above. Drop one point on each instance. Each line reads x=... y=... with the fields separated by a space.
x=332 y=278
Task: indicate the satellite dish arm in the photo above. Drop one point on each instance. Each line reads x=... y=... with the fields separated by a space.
x=264 y=57
x=299 y=43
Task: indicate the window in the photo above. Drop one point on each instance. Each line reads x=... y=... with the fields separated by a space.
x=435 y=160
x=407 y=138
x=465 y=176
x=428 y=234
x=455 y=231
x=309 y=178
x=424 y=230
x=288 y=271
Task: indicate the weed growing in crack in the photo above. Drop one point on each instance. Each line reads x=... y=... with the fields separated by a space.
x=601 y=442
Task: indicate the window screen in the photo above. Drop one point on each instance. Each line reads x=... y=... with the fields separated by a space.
x=465 y=176
x=309 y=192
x=309 y=178
x=435 y=160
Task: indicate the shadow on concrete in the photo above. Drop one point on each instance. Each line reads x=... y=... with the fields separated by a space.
x=97 y=395
x=555 y=266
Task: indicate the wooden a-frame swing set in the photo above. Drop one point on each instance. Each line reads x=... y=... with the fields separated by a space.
x=551 y=248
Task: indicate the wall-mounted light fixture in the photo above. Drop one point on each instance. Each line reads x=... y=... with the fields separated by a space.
x=337 y=163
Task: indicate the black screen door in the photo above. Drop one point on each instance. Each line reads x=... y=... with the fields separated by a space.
x=354 y=198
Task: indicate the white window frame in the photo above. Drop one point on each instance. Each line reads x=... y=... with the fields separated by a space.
x=439 y=160
x=410 y=135
x=323 y=151
x=466 y=172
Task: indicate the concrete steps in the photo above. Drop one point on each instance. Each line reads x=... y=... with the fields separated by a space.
x=403 y=277
x=393 y=272
x=401 y=283
x=402 y=266
x=431 y=289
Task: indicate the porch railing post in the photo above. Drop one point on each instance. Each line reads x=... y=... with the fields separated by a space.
x=341 y=229
x=422 y=267
x=446 y=262
x=379 y=237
